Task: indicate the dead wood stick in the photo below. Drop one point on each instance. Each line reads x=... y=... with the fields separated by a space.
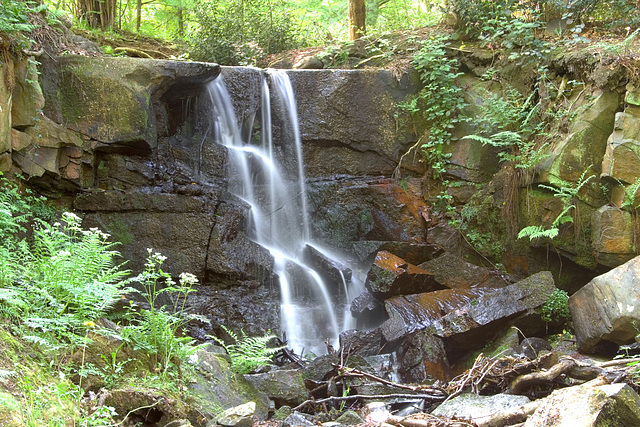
x=510 y=416
x=519 y=384
x=133 y=52
x=364 y=396
x=414 y=422
x=467 y=378
x=348 y=372
x=618 y=362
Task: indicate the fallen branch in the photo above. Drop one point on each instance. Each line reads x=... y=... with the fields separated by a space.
x=349 y=372
x=618 y=362
x=336 y=399
x=535 y=378
x=412 y=421
x=132 y=52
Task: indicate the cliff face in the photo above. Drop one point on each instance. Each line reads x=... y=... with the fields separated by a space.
x=128 y=142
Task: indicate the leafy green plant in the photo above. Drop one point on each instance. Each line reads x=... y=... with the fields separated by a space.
x=157 y=328
x=61 y=277
x=556 y=308
x=630 y=193
x=436 y=109
x=567 y=192
x=248 y=353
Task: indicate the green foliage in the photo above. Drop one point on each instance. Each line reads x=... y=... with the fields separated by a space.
x=14 y=16
x=556 y=308
x=437 y=107
x=157 y=329
x=60 y=278
x=630 y=194
x=248 y=353
x=238 y=32
x=568 y=192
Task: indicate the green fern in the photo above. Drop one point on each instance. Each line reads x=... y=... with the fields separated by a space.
x=248 y=353
x=630 y=196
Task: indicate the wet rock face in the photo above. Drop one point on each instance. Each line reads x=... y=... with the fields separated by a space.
x=475 y=323
x=607 y=308
x=423 y=356
x=346 y=120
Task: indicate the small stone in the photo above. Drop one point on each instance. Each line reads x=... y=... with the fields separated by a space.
x=282 y=413
x=297 y=420
x=238 y=416
x=475 y=407
x=349 y=418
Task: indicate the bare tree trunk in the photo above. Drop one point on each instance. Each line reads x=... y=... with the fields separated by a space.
x=180 y=19
x=356 y=16
x=138 y=15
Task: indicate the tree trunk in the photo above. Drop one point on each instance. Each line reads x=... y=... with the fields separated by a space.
x=356 y=15
x=138 y=15
x=180 y=19
x=97 y=13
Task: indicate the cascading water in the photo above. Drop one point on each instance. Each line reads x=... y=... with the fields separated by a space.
x=313 y=313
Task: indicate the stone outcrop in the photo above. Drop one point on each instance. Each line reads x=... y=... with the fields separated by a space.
x=607 y=309
x=391 y=276
x=583 y=406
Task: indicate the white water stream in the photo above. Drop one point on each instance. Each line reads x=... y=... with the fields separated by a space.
x=313 y=312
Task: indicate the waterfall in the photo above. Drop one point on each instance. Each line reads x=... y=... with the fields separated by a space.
x=313 y=312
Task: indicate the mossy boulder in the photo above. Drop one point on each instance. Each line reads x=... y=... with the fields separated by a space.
x=117 y=100
x=584 y=147
x=217 y=388
x=6 y=69
x=28 y=99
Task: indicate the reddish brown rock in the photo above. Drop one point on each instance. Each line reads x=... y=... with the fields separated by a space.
x=391 y=275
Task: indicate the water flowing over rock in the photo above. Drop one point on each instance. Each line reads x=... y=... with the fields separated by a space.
x=268 y=175
x=607 y=309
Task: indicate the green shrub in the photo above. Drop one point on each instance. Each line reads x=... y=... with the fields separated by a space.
x=158 y=329
x=248 y=353
x=556 y=309
x=238 y=32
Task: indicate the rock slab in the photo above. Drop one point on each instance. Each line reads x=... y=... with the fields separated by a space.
x=608 y=308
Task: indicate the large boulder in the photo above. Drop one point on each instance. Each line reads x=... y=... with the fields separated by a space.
x=421 y=357
x=415 y=312
x=584 y=406
x=217 y=388
x=477 y=408
x=613 y=235
x=454 y=272
x=472 y=325
x=283 y=386
x=607 y=309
